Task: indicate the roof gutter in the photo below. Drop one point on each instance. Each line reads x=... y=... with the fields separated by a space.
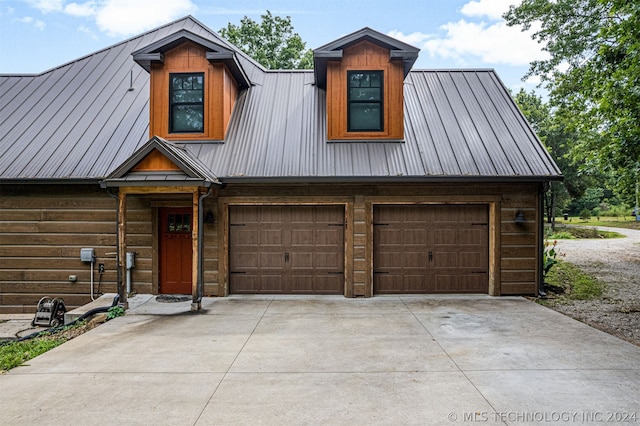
x=389 y=179
x=54 y=181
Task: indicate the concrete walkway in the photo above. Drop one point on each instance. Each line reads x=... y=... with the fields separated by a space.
x=424 y=360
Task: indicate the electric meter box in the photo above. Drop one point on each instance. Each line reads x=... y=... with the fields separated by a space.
x=87 y=255
x=131 y=259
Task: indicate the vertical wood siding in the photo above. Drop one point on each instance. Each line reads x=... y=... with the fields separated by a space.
x=365 y=56
x=221 y=93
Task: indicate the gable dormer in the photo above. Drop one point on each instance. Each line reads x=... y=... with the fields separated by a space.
x=363 y=74
x=195 y=83
x=161 y=163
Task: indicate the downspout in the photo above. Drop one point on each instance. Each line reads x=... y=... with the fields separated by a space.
x=541 y=191
x=118 y=276
x=198 y=300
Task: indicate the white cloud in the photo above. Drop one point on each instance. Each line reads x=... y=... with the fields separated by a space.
x=84 y=30
x=414 y=39
x=470 y=41
x=46 y=6
x=126 y=17
x=492 y=44
x=120 y=17
x=492 y=9
x=29 y=20
x=82 y=10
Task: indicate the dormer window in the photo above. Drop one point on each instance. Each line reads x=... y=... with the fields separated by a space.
x=365 y=112
x=195 y=83
x=186 y=103
x=363 y=75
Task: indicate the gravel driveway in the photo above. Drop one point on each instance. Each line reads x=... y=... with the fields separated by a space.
x=615 y=261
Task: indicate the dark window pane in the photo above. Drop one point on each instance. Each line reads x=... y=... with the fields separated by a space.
x=187 y=96
x=172 y=223
x=365 y=94
x=375 y=79
x=188 y=118
x=365 y=116
x=186 y=223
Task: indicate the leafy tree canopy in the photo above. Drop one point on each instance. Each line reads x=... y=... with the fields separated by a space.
x=271 y=42
x=593 y=74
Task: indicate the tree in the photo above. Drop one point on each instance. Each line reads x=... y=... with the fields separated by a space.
x=271 y=42
x=558 y=139
x=593 y=75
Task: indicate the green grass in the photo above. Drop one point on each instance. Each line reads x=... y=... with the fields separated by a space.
x=564 y=233
x=14 y=354
x=612 y=222
x=577 y=285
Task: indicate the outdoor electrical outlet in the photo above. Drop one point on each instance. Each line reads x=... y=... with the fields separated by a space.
x=101 y=268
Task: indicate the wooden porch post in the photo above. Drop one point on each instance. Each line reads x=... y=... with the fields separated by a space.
x=195 y=258
x=122 y=247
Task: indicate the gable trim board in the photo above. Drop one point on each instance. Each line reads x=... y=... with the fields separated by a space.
x=79 y=169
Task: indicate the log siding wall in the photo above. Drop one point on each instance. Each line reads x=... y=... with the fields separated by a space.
x=43 y=228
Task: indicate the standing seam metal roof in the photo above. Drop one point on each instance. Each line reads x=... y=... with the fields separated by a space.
x=81 y=121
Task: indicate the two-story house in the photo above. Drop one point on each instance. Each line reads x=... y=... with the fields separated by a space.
x=360 y=177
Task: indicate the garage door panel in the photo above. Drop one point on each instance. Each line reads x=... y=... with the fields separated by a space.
x=297 y=248
x=328 y=261
x=246 y=237
x=270 y=283
x=270 y=237
x=271 y=261
x=430 y=248
x=389 y=239
x=389 y=259
x=327 y=236
x=445 y=236
x=414 y=237
x=460 y=283
x=302 y=237
x=414 y=259
x=415 y=283
x=252 y=283
x=389 y=283
x=473 y=260
x=246 y=260
x=445 y=260
x=301 y=261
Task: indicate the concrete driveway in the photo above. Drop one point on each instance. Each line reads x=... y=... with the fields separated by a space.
x=330 y=360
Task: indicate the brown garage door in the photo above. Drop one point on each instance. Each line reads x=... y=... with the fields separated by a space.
x=286 y=249
x=431 y=249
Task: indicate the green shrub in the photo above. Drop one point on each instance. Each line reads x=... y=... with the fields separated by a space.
x=115 y=312
x=585 y=214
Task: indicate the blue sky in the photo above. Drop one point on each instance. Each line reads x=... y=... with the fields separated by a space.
x=37 y=35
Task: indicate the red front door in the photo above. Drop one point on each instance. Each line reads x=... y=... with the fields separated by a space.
x=175 y=250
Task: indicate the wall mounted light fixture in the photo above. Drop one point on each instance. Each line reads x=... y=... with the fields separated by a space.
x=209 y=218
x=520 y=219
